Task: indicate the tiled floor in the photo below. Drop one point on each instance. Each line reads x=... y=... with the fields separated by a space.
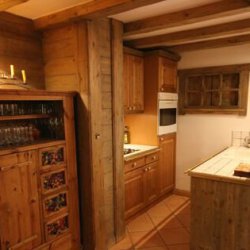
x=165 y=226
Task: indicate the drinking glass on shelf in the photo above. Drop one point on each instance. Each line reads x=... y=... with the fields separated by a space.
x=2 y=140
x=13 y=109
x=6 y=109
x=1 y=109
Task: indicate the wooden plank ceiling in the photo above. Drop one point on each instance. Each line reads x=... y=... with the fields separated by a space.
x=233 y=28
x=209 y=24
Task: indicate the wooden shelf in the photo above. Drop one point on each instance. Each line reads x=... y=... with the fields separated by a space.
x=23 y=117
x=35 y=145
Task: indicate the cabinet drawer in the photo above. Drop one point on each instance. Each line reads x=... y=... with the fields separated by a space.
x=56 y=203
x=13 y=159
x=53 y=181
x=52 y=156
x=56 y=227
x=133 y=164
x=152 y=158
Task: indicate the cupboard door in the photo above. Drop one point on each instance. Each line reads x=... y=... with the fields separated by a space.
x=137 y=93
x=134 y=191
x=127 y=77
x=167 y=163
x=133 y=75
x=19 y=208
x=152 y=181
x=168 y=75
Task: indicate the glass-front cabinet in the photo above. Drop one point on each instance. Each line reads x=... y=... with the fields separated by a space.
x=38 y=194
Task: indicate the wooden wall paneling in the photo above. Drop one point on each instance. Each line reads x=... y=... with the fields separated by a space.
x=21 y=46
x=118 y=129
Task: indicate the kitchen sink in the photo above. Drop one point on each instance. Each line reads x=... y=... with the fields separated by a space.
x=129 y=150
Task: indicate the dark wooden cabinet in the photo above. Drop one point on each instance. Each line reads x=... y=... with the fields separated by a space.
x=166 y=172
x=38 y=176
x=133 y=70
x=141 y=183
x=161 y=71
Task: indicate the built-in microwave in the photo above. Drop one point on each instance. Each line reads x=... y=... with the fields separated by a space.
x=167 y=112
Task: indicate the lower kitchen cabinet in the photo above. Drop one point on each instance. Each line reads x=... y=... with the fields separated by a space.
x=141 y=183
x=166 y=172
x=19 y=211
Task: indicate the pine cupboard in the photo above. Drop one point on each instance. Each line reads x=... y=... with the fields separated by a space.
x=133 y=75
x=163 y=66
x=141 y=182
x=167 y=144
x=38 y=175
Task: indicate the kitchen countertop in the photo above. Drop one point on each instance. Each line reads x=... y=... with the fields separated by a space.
x=221 y=166
x=143 y=150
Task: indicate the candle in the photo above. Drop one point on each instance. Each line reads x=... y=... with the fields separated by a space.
x=12 y=71
x=23 y=75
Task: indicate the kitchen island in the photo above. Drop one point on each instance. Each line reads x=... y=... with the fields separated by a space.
x=220 y=203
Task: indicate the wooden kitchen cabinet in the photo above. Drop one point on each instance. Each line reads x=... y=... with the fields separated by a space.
x=161 y=69
x=38 y=176
x=167 y=75
x=133 y=71
x=19 y=210
x=167 y=144
x=141 y=183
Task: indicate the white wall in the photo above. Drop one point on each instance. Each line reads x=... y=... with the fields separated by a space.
x=200 y=136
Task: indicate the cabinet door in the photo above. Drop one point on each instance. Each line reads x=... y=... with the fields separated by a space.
x=167 y=163
x=152 y=181
x=19 y=208
x=168 y=75
x=137 y=93
x=134 y=191
x=128 y=78
x=133 y=75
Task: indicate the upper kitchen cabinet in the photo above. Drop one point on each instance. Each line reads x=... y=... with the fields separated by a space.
x=133 y=71
x=163 y=66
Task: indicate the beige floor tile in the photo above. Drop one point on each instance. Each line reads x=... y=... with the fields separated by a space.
x=124 y=244
x=179 y=247
x=171 y=222
x=159 y=210
x=174 y=236
x=176 y=202
x=146 y=239
x=140 y=224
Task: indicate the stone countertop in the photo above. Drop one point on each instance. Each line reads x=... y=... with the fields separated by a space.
x=142 y=150
x=221 y=166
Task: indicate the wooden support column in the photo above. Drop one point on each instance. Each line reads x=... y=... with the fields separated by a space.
x=118 y=123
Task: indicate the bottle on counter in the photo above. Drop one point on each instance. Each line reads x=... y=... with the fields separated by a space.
x=126 y=135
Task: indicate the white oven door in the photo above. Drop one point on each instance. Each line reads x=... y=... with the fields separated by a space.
x=167 y=117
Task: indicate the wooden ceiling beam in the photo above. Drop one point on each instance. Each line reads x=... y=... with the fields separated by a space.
x=6 y=4
x=207 y=12
x=217 y=43
x=188 y=36
x=90 y=10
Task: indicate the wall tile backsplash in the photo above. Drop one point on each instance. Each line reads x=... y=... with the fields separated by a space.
x=238 y=137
